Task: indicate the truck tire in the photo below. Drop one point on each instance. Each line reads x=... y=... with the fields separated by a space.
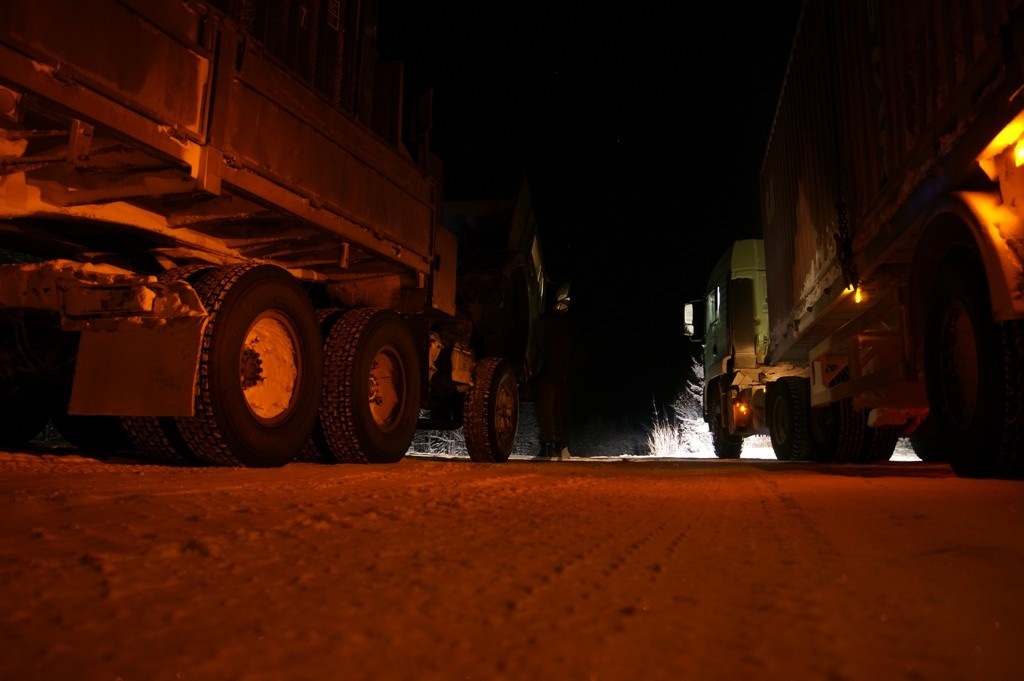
x=491 y=414
x=838 y=432
x=788 y=422
x=316 y=449
x=156 y=439
x=973 y=373
x=879 y=444
x=371 y=391
x=726 y=445
x=1011 y=450
x=260 y=369
x=925 y=443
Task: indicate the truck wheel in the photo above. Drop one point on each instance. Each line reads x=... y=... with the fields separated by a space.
x=788 y=423
x=491 y=415
x=156 y=439
x=838 y=432
x=824 y=433
x=973 y=374
x=727 y=446
x=879 y=444
x=1012 y=440
x=371 y=391
x=260 y=369
x=926 y=444
x=316 y=449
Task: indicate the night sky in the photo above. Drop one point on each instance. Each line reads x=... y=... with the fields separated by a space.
x=640 y=126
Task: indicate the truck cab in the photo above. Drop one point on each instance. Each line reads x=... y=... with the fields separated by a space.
x=732 y=323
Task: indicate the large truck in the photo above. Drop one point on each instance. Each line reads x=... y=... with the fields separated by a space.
x=222 y=243
x=733 y=328
x=892 y=201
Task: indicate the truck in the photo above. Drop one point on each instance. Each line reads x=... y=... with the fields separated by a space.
x=892 y=203
x=734 y=325
x=222 y=242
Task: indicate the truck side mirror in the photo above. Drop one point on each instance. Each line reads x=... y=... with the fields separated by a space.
x=693 y=321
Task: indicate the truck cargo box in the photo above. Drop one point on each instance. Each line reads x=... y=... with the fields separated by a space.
x=884 y=106
x=206 y=139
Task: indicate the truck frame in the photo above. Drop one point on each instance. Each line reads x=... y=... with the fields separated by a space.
x=223 y=245
x=893 y=225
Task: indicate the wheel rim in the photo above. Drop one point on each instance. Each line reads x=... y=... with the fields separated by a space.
x=269 y=366
x=387 y=387
x=959 y=360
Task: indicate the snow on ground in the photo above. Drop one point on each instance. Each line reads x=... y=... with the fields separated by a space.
x=687 y=439
x=601 y=569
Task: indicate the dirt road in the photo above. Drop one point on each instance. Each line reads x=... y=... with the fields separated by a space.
x=443 y=569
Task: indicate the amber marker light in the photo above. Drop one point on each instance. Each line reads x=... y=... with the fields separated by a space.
x=1010 y=136
x=741 y=413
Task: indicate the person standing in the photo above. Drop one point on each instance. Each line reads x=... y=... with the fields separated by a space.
x=553 y=380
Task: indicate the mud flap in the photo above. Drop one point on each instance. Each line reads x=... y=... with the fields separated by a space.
x=137 y=370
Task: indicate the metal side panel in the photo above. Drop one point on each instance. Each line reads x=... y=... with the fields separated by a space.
x=138 y=371
x=107 y=47
x=445 y=272
x=281 y=130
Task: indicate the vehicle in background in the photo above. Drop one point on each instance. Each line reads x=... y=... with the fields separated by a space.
x=732 y=324
x=502 y=280
x=892 y=201
x=224 y=244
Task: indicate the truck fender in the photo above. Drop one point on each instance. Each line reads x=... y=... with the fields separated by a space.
x=979 y=221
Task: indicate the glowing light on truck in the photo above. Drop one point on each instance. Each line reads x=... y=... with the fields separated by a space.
x=1010 y=136
x=741 y=414
x=1018 y=153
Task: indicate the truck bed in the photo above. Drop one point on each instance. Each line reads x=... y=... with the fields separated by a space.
x=164 y=131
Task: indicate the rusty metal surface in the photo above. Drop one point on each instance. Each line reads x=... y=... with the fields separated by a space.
x=201 y=146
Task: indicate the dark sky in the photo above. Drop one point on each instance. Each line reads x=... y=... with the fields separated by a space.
x=641 y=127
